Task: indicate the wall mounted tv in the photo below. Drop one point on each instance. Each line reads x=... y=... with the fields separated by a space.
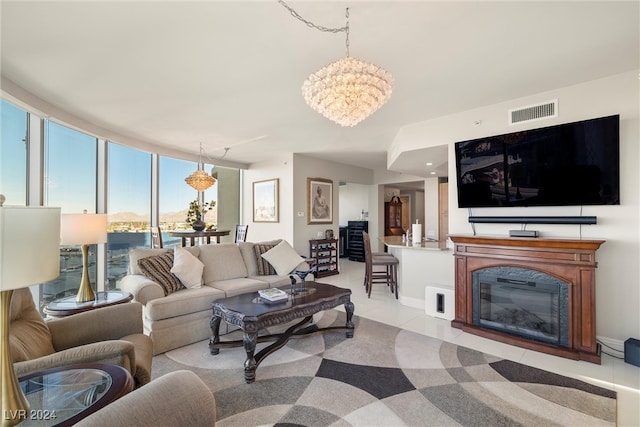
x=564 y=165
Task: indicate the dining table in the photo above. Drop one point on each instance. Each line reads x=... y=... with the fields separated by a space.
x=191 y=235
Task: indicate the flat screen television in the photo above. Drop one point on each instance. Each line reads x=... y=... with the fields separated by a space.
x=564 y=165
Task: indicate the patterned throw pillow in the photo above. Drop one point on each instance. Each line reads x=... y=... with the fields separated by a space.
x=158 y=269
x=264 y=268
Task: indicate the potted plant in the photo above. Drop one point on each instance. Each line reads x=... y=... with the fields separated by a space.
x=195 y=215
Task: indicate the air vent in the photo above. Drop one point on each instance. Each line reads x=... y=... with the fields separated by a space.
x=533 y=112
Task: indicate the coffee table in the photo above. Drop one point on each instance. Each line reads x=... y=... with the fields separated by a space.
x=252 y=314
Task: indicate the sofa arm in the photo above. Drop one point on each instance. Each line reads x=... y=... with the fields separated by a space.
x=102 y=324
x=156 y=404
x=141 y=287
x=116 y=352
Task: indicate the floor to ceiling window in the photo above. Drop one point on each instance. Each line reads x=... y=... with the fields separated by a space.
x=13 y=154
x=128 y=206
x=70 y=182
x=175 y=195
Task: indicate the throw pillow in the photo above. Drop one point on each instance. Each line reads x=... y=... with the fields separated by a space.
x=283 y=258
x=264 y=268
x=187 y=268
x=158 y=269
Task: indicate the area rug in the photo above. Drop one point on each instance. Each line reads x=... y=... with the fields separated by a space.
x=385 y=376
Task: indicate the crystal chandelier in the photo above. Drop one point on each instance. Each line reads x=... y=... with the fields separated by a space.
x=200 y=180
x=346 y=91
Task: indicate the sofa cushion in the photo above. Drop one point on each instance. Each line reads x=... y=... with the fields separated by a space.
x=182 y=303
x=283 y=258
x=249 y=255
x=263 y=266
x=158 y=269
x=221 y=262
x=233 y=287
x=138 y=253
x=187 y=268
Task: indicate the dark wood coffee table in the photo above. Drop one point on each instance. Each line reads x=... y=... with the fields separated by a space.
x=252 y=314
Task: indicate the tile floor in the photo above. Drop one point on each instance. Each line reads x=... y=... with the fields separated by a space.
x=613 y=373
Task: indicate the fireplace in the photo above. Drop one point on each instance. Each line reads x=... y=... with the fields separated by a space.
x=522 y=302
x=534 y=293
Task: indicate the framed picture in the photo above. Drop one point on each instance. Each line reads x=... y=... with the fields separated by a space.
x=319 y=201
x=265 y=200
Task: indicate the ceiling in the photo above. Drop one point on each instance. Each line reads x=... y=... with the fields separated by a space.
x=229 y=73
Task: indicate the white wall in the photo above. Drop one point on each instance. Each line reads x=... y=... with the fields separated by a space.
x=282 y=169
x=308 y=167
x=352 y=199
x=618 y=273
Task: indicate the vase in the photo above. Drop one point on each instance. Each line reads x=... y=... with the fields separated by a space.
x=198 y=225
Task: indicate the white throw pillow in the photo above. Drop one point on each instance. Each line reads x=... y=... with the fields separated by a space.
x=187 y=268
x=283 y=258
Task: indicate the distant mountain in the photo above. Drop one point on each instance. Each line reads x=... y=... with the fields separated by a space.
x=171 y=217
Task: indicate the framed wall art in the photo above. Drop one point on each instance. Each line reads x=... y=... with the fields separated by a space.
x=319 y=201
x=265 y=200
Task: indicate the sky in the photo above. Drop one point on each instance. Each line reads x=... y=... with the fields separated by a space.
x=70 y=171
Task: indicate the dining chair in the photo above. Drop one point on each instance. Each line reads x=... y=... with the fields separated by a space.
x=241 y=233
x=156 y=238
x=379 y=268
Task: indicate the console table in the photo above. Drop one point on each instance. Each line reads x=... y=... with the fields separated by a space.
x=192 y=235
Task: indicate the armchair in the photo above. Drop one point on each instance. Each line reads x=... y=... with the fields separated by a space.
x=179 y=398
x=111 y=335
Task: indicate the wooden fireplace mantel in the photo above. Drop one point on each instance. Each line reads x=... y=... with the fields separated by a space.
x=572 y=261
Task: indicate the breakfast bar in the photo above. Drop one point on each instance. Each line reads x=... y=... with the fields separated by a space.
x=429 y=262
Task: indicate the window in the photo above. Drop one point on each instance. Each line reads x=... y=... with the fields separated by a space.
x=13 y=154
x=175 y=196
x=70 y=170
x=129 y=207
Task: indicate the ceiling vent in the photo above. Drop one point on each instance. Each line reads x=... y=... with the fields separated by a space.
x=533 y=112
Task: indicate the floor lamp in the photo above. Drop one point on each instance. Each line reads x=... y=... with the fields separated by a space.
x=29 y=255
x=84 y=229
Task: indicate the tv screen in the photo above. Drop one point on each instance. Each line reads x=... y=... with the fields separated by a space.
x=569 y=164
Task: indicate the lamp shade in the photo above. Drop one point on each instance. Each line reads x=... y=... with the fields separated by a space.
x=29 y=246
x=83 y=229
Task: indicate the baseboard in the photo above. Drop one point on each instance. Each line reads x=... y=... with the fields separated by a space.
x=612 y=344
x=412 y=302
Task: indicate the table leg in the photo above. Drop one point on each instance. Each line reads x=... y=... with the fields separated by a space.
x=349 y=308
x=184 y=241
x=217 y=239
x=250 y=365
x=208 y=240
x=214 y=323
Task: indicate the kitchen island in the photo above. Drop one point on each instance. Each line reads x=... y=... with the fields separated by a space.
x=428 y=263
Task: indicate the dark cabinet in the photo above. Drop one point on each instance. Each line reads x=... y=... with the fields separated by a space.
x=393 y=217
x=325 y=252
x=355 y=243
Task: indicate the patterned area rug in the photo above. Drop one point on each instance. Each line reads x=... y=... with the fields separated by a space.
x=385 y=376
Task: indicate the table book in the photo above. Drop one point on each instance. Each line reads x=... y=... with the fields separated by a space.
x=273 y=294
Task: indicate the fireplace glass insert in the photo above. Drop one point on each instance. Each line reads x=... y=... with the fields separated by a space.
x=523 y=302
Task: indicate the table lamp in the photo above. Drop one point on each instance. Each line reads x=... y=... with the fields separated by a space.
x=84 y=229
x=29 y=255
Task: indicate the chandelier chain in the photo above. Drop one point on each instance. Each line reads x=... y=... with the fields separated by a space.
x=311 y=24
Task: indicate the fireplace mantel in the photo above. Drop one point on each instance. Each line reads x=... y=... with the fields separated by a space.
x=572 y=261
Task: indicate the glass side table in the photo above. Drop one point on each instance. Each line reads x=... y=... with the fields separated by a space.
x=68 y=306
x=65 y=395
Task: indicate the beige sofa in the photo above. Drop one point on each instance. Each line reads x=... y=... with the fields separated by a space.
x=182 y=317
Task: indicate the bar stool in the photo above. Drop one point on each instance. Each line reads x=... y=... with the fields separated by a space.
x=389 y=273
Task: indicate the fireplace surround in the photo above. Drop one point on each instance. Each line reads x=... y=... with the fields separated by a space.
x=534 y=293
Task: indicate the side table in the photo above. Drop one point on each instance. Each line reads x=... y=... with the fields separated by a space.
x=68 y=305
x=63 y=396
